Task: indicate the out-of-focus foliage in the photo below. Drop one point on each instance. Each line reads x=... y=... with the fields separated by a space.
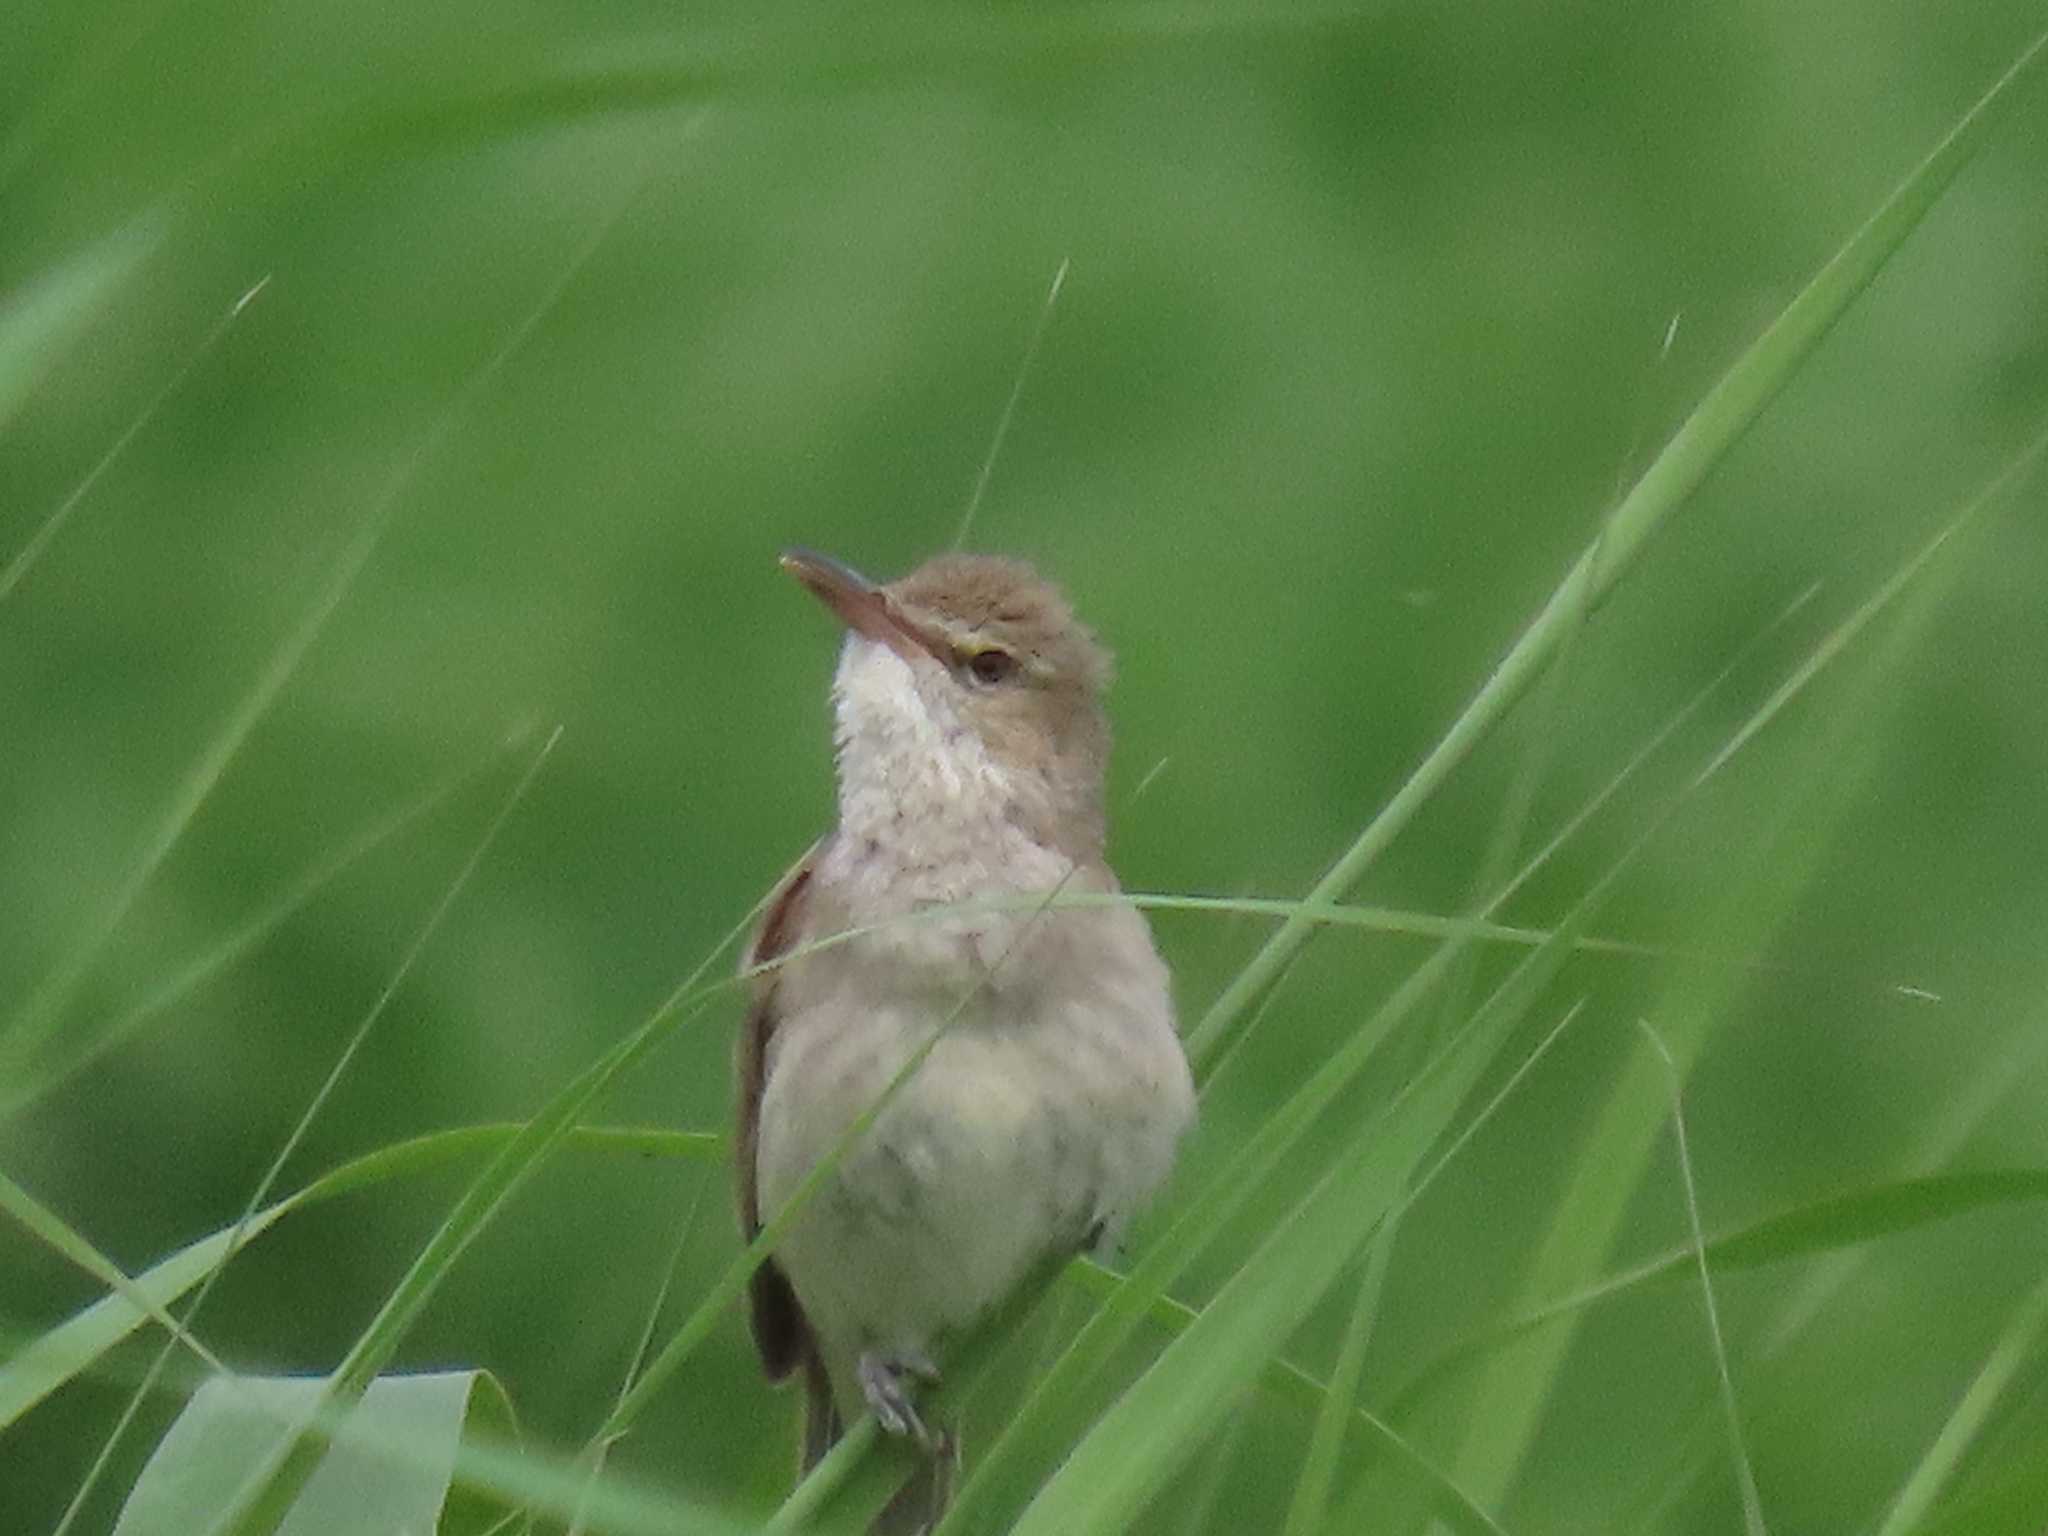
x=571 y=317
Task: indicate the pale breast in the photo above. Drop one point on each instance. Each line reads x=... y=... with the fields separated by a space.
x=1043 y=1114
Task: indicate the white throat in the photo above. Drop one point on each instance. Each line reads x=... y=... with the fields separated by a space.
x=925 y=818
x=913 y=776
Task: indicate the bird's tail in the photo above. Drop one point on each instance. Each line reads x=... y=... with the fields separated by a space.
x=919 y=1502
x=822 y=1427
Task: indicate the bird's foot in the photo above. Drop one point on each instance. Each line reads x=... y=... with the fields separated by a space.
x=885 y=1381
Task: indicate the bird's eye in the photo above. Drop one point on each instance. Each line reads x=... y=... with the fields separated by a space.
x=993 y=665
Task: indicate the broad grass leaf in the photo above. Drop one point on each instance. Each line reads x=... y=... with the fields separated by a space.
x=233 y=1422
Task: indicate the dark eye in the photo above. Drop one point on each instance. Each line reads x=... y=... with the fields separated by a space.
x=992 y=666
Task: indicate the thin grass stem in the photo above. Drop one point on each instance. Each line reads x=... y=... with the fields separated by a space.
x=1738 y=1448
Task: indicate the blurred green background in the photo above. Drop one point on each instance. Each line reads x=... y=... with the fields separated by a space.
x=582 y=313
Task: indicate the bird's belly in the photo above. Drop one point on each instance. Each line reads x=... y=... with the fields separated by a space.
x=1006 y=1145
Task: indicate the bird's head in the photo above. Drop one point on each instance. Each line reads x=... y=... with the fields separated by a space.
x=967 y=685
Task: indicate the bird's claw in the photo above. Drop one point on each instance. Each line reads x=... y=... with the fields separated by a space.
x=885 y=1383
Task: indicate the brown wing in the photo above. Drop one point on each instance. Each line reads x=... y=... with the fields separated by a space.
x=781 y=1333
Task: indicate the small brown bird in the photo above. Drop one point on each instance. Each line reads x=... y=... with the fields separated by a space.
x=972 y=748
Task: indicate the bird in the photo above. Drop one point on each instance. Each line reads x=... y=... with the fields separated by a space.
x=971 y=753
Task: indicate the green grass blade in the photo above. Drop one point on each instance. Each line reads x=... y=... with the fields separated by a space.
x=42 y=1014
x=225 y=1425
x=1009 y=413
x=61 y=1354
x=483 y=1459
x=1719 y=420
x=726 y=1290
x=71 y=1349
x=1055 y=1409
x=2008 y=1504
x=1452 y=1505
x=26 y=557
x=272 y=1491
x=41 y=319
x=1938 y=1146
x=1289 y=1383
x=61 y=1237
x=1174 y=1406
x=261 y=1194
x=276 y=1484
x=846 y=1490
x=1497 y=879
x=29 y=1032
x=1617 y=1144
x=1934 y=1470
x=1309 y=1506
x=1816 y=1228
x=598 y=1448
x=73 y=1056
x=1036 y=1433
x=1738 y=1446
x=1820 y=1282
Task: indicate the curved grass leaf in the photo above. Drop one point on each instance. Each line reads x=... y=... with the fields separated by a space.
x=1289 y=1383
x=48 y=1360
x=1167 y=1415
x=407 y=1429
x=232 y=1421
x=61 y=1237
x=1618 y=1142
x=2003 y=1073
x=1056 y=1406
x=1804 y=1231
x=1715 y=425
x=1934 y=1470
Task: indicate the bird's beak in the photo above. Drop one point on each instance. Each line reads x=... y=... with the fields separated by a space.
x=863 y=607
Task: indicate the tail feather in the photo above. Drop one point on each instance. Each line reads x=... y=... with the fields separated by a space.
x=822 y=1427
x=920 y=1502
